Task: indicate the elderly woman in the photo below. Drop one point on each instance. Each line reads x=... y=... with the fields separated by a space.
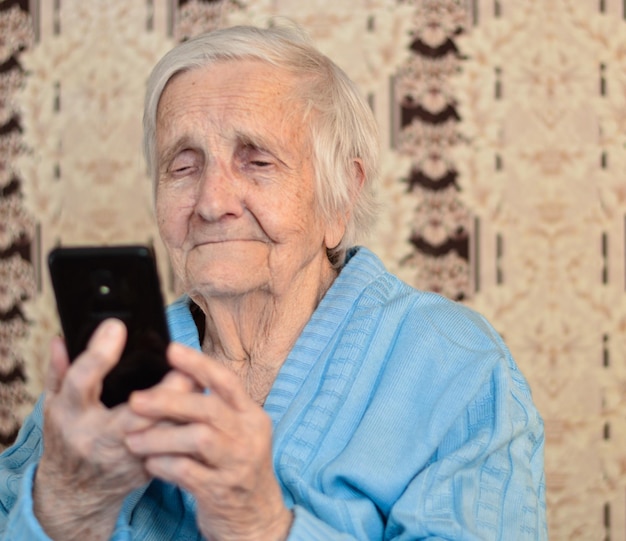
x=313 y=395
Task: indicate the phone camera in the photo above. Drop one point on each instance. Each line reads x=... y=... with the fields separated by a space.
x=102 y=283
x=104 y=290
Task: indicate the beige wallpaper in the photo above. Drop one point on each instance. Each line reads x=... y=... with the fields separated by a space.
x=504 y=133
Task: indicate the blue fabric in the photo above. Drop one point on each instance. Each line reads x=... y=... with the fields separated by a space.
x=398 y=415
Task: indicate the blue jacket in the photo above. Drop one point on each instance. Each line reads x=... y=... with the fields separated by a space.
x=398 y=415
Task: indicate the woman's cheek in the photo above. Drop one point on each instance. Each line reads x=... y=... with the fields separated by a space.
x=169 y=226
x=172 y=208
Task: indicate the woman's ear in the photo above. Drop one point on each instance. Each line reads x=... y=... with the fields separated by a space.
x=359 y=178
x=336 y=230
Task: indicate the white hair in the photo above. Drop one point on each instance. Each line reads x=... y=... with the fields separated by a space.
x=342 y=126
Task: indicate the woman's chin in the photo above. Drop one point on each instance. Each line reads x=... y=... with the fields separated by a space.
x=225 y=280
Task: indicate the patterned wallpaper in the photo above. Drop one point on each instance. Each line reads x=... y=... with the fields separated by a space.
x=504 y=133
x=17 y=226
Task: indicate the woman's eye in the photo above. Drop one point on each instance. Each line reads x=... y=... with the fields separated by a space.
x=184 y=162
x=253 y=156
x=260 y=163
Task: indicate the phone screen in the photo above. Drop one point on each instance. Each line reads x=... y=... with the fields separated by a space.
x=92 y=284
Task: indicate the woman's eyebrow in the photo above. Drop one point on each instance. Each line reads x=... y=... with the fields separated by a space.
x=253 y=140
x=264 y=144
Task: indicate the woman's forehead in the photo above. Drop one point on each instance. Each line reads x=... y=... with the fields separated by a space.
x=223 y=76
x=244 y=100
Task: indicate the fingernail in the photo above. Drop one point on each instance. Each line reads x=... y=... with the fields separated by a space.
x=131 y=442
x=111 y=328
x=137 y=398
x=108 y=332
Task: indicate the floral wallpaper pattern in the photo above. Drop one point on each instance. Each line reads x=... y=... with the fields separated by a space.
x=541 y=98
x=503 y=126
x=17 y=227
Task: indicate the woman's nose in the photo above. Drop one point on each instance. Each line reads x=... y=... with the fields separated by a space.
x=219 y=193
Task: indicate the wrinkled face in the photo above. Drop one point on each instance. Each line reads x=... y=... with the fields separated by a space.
x=235 y=199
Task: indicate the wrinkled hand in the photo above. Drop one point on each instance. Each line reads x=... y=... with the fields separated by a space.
x=86 y=470
x=217 y=446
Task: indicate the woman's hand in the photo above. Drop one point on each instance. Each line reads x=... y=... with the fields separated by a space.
x=86 y=470
x=217 y=446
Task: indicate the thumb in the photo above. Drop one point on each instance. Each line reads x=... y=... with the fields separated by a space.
x=82 y=382
x=104 y=349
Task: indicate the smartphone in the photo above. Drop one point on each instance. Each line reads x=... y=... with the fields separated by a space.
x=94 y=283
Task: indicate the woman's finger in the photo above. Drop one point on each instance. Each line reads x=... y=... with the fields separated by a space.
x=191 y=407
x=210 y=375
x=59 y=363
x=196 y=440
x=185 y=407
x=177 y=381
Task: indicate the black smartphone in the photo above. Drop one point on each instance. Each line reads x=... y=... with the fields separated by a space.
x=92 y=284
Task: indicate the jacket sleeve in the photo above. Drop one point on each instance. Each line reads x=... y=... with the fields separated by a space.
x=17 y=469
x=486 y=480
